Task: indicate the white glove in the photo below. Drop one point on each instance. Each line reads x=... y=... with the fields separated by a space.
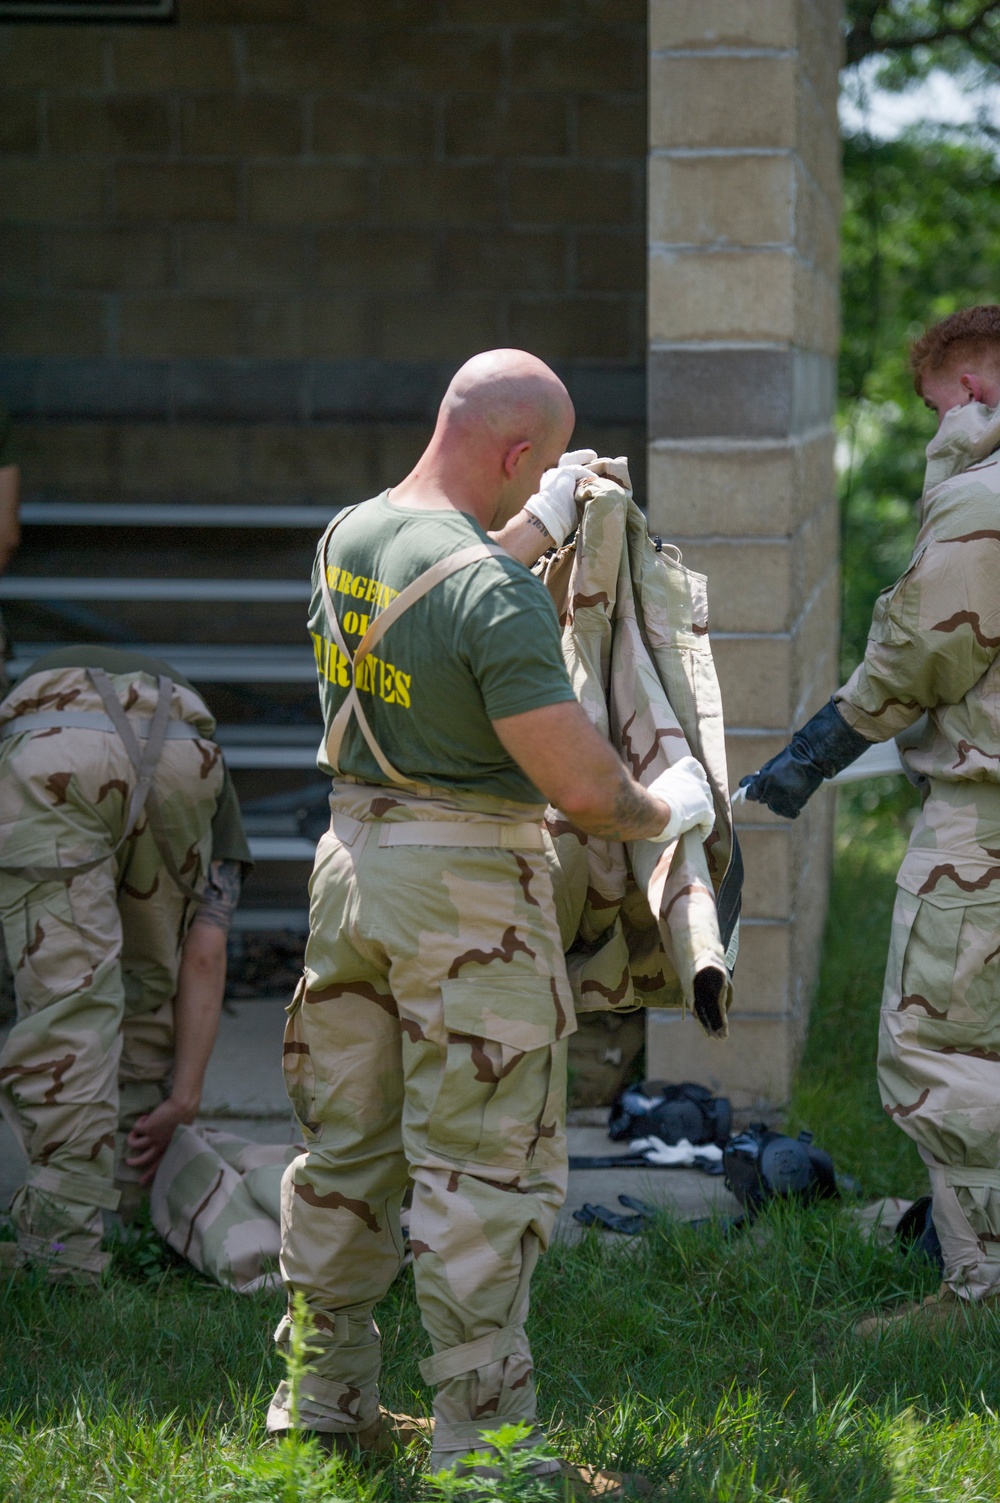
x=685 y=788
x=554 y=504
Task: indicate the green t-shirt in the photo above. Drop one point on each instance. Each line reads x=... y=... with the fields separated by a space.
x=229 y=841
x=480 y=646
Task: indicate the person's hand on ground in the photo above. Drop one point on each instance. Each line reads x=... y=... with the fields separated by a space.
x=686 y=789
x=150 y=1137
x=554 y=503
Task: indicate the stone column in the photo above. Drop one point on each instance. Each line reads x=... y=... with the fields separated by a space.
x=743 y=323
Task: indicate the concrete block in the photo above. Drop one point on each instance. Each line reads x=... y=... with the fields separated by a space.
x=301 y=59
x=578 y=328
x=525 y=262
x=821 y=47
x=52 y=325
x=610 y=125
x=357 y=126
x=506 y=125
x=575 y=194
x=336 y=326
x=813 y=550
x=736 y=295
x=176 y=190
x=733 y=392
x=171 y=459
x=157 y=58
x=755 y=677
x=817 y=309
x=763 y=982
x=435 y=327
x=45 y=192
x=163 y=326
x=432 y=61
x=231 y=259
x=612 y=262
x=734 y=492
x=753 y=1067
x=817 y=224
x=52 y=57
x=295 y=459
x=245 y=12
x=66 y=456
x=20 y=259
x=750 y=583
x=242 y=125
x=814 y=475
x=306 y=193
x=815 y=661
x=376 y=260
x=723 y=101
x=818 y=141
x=768 y=891
x=440 y=195
x=273 y=328
x=721 y=201
x=108 y=260
x=478 y=12
x=746 y=751
x=19 y=123
x=397 y=447
x=122 y=124
x=722 y=23
x=558 y=59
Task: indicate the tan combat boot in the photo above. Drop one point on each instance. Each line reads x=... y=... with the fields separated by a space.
x=935 y=1313
x=385 y=1436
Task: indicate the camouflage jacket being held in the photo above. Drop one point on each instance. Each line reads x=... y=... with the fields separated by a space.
x=930 y=674
x=640 y=921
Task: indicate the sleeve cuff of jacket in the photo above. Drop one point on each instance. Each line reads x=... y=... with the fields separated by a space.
x=866 y=725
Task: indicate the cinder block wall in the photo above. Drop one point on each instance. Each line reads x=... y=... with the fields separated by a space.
x=242 y=253
x=744 y=193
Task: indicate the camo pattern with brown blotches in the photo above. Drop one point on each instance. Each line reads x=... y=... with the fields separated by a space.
x=94 y=959
x=930 y=676
x=427 y=1040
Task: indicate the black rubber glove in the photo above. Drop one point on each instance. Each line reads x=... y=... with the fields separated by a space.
x=824 y=746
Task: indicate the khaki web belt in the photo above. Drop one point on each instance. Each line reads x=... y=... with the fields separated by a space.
x=413 y=592
x=144 y=759
x=524 y=836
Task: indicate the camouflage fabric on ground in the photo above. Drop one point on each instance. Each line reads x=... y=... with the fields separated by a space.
x=95 y=958
x=427 y=1040
x=640 y=922
x=931 y=676
x=216 y=1200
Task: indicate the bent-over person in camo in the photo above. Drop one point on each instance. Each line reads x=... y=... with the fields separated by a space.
x=121 y=857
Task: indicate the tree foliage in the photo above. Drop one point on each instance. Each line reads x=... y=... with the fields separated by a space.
x=919 y=34
x=921 y=237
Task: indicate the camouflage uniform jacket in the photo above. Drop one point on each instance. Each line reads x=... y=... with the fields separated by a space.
x=930 y=674
x=639 y=921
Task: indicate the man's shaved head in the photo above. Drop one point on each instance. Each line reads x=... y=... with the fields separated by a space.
x=504 y=420
x=512 y=394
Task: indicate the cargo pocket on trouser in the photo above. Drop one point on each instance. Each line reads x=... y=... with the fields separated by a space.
x=503 y=1084
x=298 y=1068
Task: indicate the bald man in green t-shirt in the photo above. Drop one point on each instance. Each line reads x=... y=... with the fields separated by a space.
x=427 y=1040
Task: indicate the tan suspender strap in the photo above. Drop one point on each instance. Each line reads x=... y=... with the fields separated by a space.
x=413 y=592
x=139 y=757
x=144 y=759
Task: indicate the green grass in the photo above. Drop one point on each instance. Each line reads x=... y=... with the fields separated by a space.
x=724 y=1370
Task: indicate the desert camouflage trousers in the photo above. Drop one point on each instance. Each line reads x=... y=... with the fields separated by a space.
x=95 y=959
x=939 y=1065
x=427 y=1041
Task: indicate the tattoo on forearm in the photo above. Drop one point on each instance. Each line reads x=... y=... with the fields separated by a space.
x=632 y=810
x=529 y=516
x=221 y=895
